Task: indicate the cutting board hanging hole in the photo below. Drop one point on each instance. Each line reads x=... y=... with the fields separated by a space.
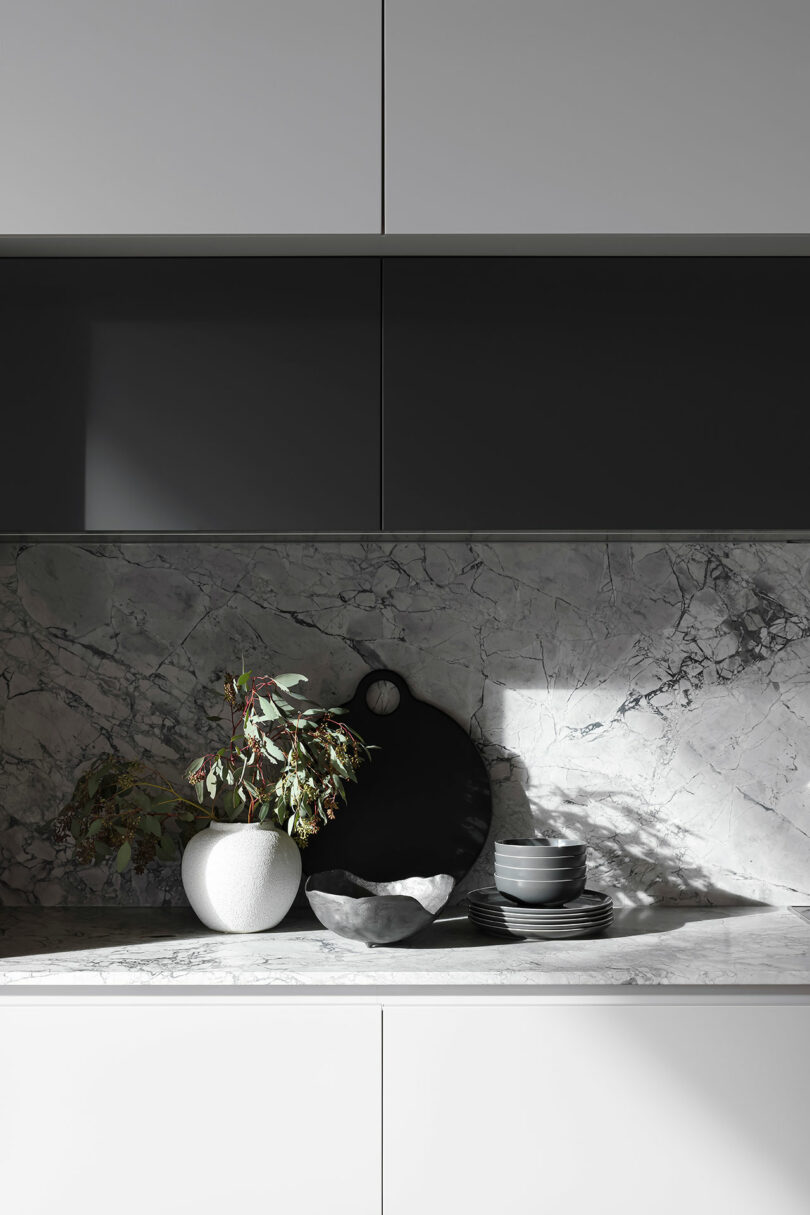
x=383 y=697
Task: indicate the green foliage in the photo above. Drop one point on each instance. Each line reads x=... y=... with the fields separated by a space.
x=124 y=807
x=283 y=765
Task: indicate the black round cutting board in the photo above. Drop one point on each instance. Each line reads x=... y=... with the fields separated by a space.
x=422 y=803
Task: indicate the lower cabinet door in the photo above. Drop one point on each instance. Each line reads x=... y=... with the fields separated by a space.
x=597 y=1109
x=188 y=1108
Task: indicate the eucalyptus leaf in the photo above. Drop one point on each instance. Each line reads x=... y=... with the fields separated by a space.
x=269 y=710
x=140 y=799
x=289 y=681
x=194 y=767
x=270 y=749
x=124 y=856
x=167 y=848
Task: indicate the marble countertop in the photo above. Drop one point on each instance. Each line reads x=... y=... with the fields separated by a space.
x=740 y=946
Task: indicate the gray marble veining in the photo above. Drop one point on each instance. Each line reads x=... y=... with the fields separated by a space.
x=168 y=947
x=652 y=698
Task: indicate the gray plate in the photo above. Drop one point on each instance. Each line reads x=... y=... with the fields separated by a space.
x=503 y=917
x=535 y=926
x=521 y=934
x=489 y=898
x=553 y=928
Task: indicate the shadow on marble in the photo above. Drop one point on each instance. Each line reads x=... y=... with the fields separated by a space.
x=457 y=931
x=629 y=854
x=454 y=931
x=654 y=920
x=33 y=931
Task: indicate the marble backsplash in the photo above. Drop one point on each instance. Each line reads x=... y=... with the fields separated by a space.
x=653 y=699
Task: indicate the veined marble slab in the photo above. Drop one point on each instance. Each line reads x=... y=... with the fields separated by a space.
x=652 y=699
x=645 y=947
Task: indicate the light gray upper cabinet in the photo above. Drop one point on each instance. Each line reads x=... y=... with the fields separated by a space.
x=190 y=116
x=580 y=116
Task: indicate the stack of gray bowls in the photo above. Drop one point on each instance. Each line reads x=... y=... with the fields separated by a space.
x=541 y=872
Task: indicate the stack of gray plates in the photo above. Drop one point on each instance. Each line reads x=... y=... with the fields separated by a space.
x=493 y=912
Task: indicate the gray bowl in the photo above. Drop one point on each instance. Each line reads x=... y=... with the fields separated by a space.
x=513 y=868
x=539 y=894
x=378 y=913
x=540 y=848
x=541 y=864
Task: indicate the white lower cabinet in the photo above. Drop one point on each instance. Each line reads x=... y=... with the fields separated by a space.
x=579 y=1108
x=181 y=1105
x=188 y=1108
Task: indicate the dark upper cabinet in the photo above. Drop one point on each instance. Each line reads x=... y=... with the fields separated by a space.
x=595 y=393
x=190 y=394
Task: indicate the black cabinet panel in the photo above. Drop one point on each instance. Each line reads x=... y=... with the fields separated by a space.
x=190 y=394
x=596 y=393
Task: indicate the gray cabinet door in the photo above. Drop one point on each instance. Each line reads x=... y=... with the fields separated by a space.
x=190 y=394
x=580 y=116
x=189 y=116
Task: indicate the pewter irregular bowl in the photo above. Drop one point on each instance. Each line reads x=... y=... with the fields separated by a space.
x=378 y=913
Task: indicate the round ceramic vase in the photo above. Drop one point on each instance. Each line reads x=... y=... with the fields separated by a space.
x=241 y=877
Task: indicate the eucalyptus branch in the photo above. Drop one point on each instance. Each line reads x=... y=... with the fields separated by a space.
x=284 y=765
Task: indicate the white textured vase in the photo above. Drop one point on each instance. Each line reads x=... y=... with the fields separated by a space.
x=241 y=877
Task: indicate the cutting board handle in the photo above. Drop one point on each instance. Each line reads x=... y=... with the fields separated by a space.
x=382 y=676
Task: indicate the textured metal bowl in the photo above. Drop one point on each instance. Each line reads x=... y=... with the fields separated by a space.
x=539 y=894
x=378 y=913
